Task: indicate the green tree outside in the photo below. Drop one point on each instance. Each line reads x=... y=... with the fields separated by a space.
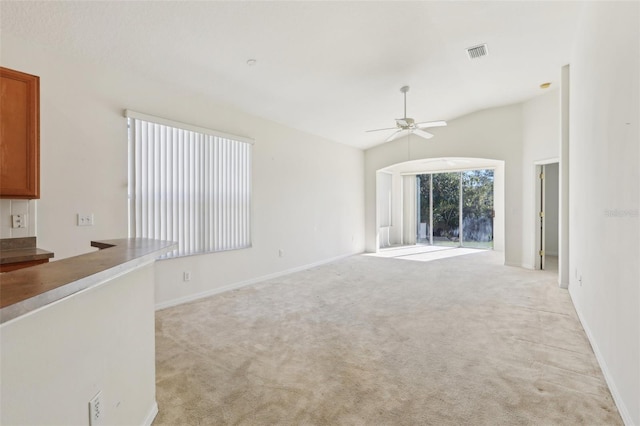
x=477 y=206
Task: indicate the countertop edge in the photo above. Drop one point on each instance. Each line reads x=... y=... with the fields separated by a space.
x=11 y=257
x=42 y=300
x=21 y=249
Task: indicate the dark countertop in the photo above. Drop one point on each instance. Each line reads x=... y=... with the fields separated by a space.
x=14 y=250
x=25 y=290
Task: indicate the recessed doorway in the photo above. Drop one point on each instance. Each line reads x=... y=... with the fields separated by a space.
x=547 y=216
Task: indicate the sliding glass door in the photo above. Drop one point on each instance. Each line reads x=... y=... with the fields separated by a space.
x=446 y=209
x=455 y=209
x=477 y=208
x=423 y=183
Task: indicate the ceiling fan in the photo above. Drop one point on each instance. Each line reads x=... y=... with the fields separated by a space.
x=406 y=125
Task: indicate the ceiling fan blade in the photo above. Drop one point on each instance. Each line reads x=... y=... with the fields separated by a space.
x=377 y=130
x=422 y=133
x=427 y=124
x=395 y=135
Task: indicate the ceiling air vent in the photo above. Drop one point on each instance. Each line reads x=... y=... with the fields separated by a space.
x=478 y=51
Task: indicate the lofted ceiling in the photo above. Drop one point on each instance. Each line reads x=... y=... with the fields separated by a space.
x=329 y=68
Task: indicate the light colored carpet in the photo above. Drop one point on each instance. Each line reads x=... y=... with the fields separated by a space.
x=423 y=253
x=375 y=341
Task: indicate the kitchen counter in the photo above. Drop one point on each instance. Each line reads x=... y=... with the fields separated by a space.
x=79 y=327
x=26 y=290
x=16 y=253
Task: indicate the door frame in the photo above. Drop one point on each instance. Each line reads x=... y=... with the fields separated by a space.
x=539 y=210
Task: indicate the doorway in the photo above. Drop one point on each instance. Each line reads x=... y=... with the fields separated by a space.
x=548 y=214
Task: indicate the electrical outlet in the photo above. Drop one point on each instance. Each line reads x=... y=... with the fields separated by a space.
x=280 y=253
x=186 y=276
x=19 y=220
x=85 y=219
x=96 y=411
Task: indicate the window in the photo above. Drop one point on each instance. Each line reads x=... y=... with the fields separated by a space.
x=188 y=184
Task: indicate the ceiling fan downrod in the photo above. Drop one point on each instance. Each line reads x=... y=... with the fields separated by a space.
x=404 y=90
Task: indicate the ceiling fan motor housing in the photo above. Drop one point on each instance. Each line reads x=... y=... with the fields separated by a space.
x=405 y=123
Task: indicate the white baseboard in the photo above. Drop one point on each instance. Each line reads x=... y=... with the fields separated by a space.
x=622 y=408
x=152 y=415
x=519 y=265
x=234 y=286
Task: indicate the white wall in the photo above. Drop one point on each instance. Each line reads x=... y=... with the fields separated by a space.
x=491 y=134
x=56 y=359
x=605 y=193
x=307 y=192
x=540 y=143
x=564 y=230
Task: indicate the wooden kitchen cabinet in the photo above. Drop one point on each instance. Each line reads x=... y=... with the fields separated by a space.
x=19 y=134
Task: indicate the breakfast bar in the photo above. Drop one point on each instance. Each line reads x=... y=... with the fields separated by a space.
x=81 y=330
x=28 y=289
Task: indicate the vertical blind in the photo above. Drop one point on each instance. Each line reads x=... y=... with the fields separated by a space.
x=384 y=183
x=410 y=200
x=188 y=184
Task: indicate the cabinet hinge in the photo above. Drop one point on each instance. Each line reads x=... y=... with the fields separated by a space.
x=541 y=214
x=541 y=252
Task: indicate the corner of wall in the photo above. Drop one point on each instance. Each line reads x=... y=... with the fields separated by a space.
x=151 y=416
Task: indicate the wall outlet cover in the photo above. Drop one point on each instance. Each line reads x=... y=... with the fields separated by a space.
x=96 y=411
x=85 y=219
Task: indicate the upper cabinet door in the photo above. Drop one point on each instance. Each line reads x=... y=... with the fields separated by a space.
x=19 y=134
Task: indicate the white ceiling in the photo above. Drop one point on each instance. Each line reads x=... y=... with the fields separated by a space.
x=330 y=68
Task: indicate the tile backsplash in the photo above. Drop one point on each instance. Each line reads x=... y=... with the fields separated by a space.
x=11 y=207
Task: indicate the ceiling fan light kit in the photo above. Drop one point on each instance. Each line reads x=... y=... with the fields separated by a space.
x=407 y=125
